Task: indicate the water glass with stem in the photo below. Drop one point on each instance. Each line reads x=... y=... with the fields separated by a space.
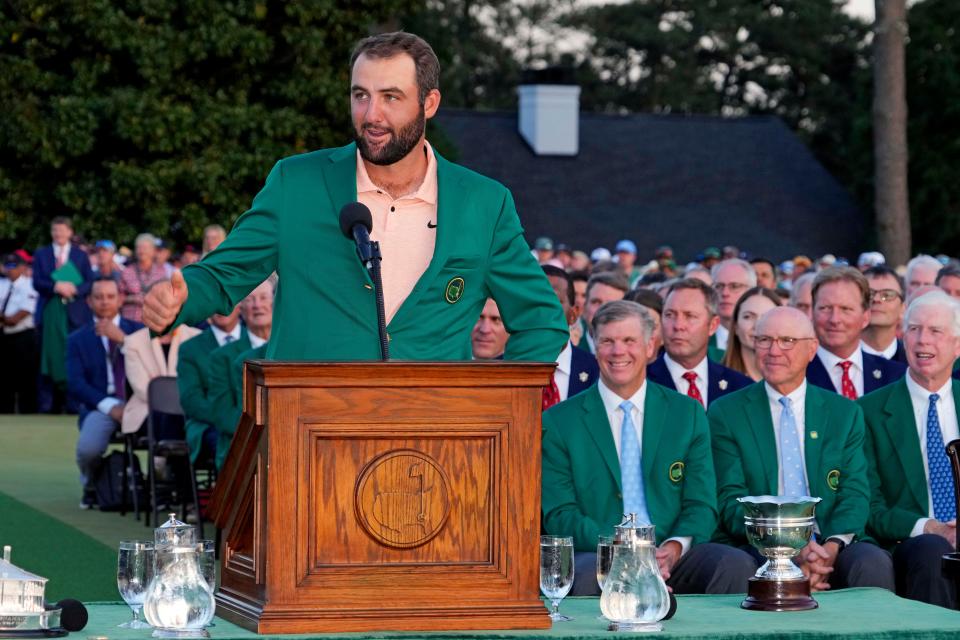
x=135 y=570
x=556 y=572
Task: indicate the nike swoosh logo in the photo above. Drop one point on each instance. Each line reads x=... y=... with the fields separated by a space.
x=430 y=225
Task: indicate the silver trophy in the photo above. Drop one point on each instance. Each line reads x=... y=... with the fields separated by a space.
x=779 y=527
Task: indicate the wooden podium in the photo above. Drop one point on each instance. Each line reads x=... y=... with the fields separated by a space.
x=383 y=496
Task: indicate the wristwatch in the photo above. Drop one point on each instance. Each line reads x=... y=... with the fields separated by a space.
x=840 y=543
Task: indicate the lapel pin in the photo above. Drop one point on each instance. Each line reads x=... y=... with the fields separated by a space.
x=814 y=435
x=723 y=385
x=877 y=374
x=584 y=376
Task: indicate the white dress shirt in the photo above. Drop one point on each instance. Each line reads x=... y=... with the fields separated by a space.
x=723 y=335
x=561 y=375
x=23 y=297
x=676 y=373
x=255 y=340
x=947 y=414
x=110 y=401
x=611 y=404
x=221 y=335
x=887 y=353
x=832 y=364
x=61 y=254
x=798 y=399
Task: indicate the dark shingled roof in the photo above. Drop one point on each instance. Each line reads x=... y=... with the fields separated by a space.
x=686 y=181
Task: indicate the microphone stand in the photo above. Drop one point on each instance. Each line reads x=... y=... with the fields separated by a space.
x=373 y=265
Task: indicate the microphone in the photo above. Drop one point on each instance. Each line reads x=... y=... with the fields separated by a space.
x=73 y=615
x=356 y=222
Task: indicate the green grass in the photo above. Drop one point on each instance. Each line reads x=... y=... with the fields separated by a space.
x=40 y=515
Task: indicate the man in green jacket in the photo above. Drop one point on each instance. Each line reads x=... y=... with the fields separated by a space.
x=450 y=238
x=193 y=381
x=913 y=507
x=627 y=445
x=783 y=436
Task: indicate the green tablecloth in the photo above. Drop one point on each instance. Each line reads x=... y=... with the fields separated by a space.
x=851 y=613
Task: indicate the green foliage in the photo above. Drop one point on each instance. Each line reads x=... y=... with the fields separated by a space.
x=165 y=115
x=933 y=130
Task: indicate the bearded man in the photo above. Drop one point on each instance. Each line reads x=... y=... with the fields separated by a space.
x=449 y=237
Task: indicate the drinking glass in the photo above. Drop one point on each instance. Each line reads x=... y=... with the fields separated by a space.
x=604 y=556
x=134 y=572
x=556 y=572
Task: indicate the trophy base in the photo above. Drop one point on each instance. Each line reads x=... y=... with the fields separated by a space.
x=774 y=595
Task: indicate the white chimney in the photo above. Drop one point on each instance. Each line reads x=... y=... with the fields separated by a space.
x=550 y=116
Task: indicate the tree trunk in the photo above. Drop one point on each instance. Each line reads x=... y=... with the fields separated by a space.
x=890 y=132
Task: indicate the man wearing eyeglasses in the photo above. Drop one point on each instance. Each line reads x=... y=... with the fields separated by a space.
x=731 y=278
x=841 y=311
x=786 y=437
x=886 y=310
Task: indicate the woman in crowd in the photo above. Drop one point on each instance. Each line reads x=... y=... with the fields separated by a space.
x=740 y=351
x=138 y=277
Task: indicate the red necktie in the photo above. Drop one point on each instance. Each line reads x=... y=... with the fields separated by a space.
x=847 y=390
x=551 y=394
x=692 y=390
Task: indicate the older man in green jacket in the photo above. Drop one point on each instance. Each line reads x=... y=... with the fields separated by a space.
x=631 y=445
x=450 y=238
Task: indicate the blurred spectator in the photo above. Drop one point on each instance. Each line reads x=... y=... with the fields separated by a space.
x=190 y=255
x=711 y=256
x=579 y=261
x=563 y=254
x=700 y=273
x=921 y=272
x=213 y=235
x=97 y=378
x=653 y=302
x=544 y=249
x=104 y=260
x=579 y=279
x=801 y=294
x=886 y=310
x=61 y=277
x=138 y=277
x=731 y=251
x=489 y=336
x=626 y=261
x=801 y=264
x=163 y=257
x=146 y=358
x=601 y=288
x=741 y=354
x=730 y=279
x=948 y=279
x=826 y=261
x=18 y=340
x=870 y=259
x=600 y=254
x=766 y=273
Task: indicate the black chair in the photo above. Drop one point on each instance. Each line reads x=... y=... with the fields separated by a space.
x=951 y=561
x=163 y=397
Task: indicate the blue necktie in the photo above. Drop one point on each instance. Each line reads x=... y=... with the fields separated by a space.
x=631 y=475
x=791 y=459
x=941 y=478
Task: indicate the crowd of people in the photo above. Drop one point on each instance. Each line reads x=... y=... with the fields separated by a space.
x=829 y=342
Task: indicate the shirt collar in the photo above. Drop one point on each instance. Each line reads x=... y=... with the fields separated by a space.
x=830 y=361
x=611 y=400
x=887 y=353
x=677 y=370
x=221 y=335
x=921 y=395
x=565 y=359
x=797 y=397
x=427 y=192
x=255 y=340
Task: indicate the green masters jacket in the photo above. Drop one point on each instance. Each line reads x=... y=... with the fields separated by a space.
x=745 y=457
x=582 y=494
x=898 y=482
x=224 y=406
x=229 y=395
x=325 y=308
x=193 y=380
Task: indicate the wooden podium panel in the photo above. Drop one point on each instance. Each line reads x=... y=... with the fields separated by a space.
x=383 y=496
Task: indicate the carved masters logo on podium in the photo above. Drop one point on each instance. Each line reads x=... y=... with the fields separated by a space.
x=402 y=498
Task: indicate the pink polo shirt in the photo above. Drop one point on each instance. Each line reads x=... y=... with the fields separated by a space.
x=402 y=228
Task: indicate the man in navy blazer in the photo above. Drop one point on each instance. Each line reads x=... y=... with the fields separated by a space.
x=841 y=311
x=46 y=260
x=576 y=369
x=95 y=377
x=689 y=319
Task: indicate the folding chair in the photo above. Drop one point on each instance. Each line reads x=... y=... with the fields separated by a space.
x=163 y=396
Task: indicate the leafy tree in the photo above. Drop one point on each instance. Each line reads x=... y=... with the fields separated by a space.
x=165 y=115
x=933 y=130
